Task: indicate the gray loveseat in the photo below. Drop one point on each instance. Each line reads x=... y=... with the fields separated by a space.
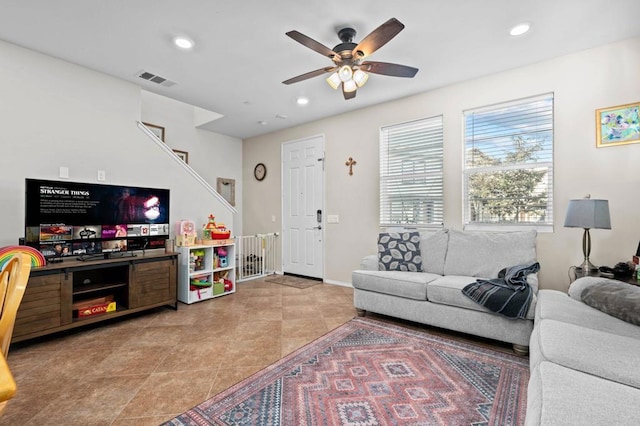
x=451 y=259
x=585 y=363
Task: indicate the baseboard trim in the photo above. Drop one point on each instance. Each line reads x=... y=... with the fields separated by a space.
x=324 y=280
x=340 y=283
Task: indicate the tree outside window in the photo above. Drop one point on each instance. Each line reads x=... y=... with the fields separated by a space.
x=508 y=164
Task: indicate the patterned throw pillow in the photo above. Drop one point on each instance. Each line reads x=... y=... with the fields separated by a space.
x=399 y=251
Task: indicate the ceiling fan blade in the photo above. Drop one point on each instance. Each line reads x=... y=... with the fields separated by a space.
x=349 y=95
x=310 y=74
x=377 y=38
x=386 y=68
x=313 y=45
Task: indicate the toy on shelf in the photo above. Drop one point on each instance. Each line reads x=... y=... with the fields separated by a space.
x=201 y=285
x=198 y=260
x=192 y=262
x=222 y=280
x=185 y=233
x=199 y=282
x=228 y=285
x=215 y=231
x=222 y=257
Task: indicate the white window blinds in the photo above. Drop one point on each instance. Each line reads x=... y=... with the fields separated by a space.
x=508 y=164
x=411 y=174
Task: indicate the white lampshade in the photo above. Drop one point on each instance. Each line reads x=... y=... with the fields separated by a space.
x=349 y=86
x=334 y=80
x=360 y=77
x=345 y=73
x=588 y=213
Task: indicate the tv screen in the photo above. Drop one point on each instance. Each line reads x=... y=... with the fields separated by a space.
x=74 y=218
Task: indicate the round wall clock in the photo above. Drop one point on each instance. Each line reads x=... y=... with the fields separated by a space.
x=260 y=171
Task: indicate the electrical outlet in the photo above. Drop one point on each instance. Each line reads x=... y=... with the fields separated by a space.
x=102 y=175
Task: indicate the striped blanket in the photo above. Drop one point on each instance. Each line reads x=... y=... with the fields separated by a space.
x=509 y=294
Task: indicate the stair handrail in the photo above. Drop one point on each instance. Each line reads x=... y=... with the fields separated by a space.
x=186 y=167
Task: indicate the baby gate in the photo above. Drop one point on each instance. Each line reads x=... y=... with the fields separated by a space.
x=256 y=256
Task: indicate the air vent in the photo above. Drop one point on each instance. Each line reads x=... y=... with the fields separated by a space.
x=145 y=75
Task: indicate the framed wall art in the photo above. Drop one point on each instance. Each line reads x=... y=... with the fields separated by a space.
x=617 y=125
x=157 y=130
x=227 y=188
x=183 y=155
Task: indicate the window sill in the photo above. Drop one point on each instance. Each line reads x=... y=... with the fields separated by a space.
x=494 y=227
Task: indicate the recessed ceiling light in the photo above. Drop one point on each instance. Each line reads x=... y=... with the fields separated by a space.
x=183 y=42
x=281 y=116
x=520 y=29
x=262 y=123
x=302 y=100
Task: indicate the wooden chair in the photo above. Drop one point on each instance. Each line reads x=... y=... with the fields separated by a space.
x=13 y=282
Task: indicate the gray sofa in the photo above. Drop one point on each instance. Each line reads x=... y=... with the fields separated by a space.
x=585 y=363
x=451 y=259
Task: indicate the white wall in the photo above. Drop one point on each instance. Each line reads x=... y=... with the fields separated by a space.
x=53 y=113
x=582 y=82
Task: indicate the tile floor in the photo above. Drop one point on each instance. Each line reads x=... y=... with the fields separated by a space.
x=146 y=369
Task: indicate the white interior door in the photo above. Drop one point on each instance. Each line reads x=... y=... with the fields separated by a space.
x=302 y=207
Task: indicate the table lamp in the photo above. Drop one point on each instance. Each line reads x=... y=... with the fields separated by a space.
x=588 y=214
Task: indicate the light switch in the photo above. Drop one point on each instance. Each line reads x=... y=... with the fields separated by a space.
x=333 y=218
x=64 y=172
x=101 y=175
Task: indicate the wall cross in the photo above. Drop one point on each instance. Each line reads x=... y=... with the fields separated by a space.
x=350 y=163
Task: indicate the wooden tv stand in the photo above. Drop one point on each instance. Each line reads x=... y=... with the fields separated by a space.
x=135 y=283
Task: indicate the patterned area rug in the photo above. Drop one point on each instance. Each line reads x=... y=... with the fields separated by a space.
x=292 y=281
x=367 y=372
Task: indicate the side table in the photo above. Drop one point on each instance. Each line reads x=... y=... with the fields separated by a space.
x=574 y=274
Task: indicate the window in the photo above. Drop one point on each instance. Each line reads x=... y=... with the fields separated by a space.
x=508 y=165
x=411 y=175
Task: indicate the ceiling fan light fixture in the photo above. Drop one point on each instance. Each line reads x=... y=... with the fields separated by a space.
x=349 y=86
x=346 y=69
x=345 y=73
x=334 y=81
x=360 y=77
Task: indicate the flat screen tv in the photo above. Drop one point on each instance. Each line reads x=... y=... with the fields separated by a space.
x=86 y=219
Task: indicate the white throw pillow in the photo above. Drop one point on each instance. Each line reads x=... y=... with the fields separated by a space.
x=485 y=254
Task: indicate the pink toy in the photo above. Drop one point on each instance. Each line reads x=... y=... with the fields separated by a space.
x=222 y=256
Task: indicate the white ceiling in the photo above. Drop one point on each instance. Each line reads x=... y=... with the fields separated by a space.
x=242 y=55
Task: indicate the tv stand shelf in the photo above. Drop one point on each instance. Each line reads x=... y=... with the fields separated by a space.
x=135 y=283
x=96 y=287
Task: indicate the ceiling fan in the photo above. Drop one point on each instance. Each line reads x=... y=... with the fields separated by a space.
x=349 y=70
